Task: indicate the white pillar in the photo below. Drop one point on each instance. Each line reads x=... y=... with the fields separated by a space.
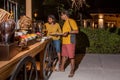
x=85 y=23
x=29 y=8
x=100 y=20
x=93 y=24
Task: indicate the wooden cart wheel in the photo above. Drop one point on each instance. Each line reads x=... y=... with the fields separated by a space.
x=25 y=70
x=49 y=58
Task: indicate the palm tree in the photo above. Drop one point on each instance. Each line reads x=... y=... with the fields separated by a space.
x=79 y=6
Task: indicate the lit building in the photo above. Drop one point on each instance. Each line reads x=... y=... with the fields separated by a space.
x=104 y=18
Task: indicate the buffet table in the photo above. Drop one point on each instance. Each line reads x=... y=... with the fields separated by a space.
x=6 y=67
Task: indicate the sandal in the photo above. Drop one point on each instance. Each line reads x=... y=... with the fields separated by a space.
x=71 y=73
x=62 y=70
x=57 y=70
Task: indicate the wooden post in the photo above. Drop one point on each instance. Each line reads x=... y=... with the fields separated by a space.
x=41 y=64
x=29 y=8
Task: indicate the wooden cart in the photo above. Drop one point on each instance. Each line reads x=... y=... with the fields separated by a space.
x=46 y=53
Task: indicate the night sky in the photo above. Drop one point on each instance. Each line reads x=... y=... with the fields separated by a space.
x=109 y=6
x=97 y=3
x=104 y=3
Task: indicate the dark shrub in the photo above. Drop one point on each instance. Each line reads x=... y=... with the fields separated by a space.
x=118 y=32
x=113 y=29
x=101 y=41
x=82 y=42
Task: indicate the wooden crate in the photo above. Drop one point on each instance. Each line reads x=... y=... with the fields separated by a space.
x=8 y=51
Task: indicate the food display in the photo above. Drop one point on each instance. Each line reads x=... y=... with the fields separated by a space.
x=12 y=41
x=26 y=39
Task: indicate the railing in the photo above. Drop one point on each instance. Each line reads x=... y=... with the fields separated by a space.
x=12 y=7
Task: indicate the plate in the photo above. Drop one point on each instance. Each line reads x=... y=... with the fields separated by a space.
x=56 y=34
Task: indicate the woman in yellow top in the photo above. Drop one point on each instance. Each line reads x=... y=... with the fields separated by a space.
x=52 y=28
x=70 y=29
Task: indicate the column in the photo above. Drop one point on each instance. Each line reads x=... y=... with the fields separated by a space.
x=29 y=8
x=100 y=20
x=85 y=23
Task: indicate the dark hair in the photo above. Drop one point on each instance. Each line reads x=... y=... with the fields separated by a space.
x=65 y=12
x=53 y=17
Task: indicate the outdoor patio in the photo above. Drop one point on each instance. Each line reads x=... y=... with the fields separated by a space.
x=93 y=67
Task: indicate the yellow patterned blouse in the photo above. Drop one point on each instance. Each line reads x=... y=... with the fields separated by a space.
x=53 y=29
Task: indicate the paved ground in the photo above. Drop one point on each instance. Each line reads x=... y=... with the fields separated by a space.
x=92 y=67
